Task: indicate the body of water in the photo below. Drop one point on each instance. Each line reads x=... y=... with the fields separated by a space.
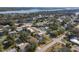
x=27 y=11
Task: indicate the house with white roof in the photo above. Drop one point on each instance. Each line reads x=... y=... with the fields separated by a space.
x=19 y=28
x=74 y=39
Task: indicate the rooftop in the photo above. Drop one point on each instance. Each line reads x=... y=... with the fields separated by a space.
x=74 y=40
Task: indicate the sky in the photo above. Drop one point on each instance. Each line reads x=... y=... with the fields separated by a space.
x=40 y=3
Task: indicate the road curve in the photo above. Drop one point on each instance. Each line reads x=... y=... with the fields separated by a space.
x=55 y=40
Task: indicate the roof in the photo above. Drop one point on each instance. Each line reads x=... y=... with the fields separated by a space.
x=30 y=29
x=77 y=20
x=1 y=29
x=6 y=26
x=77 y=27
x=22 y=46
x=19 y=28
x=12 y=32
x=75 y=41
x=12 y=50
x=33 y=40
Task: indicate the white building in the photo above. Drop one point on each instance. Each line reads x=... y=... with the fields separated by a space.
x=19 y=28
x=74 y=40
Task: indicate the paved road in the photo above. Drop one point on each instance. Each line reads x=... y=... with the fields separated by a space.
x=75 y=48
x=55 y=40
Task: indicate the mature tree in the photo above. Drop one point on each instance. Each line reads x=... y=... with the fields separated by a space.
x=32 y=47
x=1 y=47
x=5 y=31
x=9 y=41
x=24 y=36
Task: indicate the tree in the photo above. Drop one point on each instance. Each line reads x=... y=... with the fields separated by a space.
x=9 y=41
x=13 y=27
x=61 y=30
x=5 y=31
x=31 y=47
x=53 y=33
x=68 y=44
x=11 y=23
x=24 y=36
x=1 y=47
x=65 y=21
x=64 y=49
x=34 y=22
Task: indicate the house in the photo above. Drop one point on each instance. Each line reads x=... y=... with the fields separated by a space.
x=77 y=20
x=6 y=44
x=77 y=13
x=33 y=40
x=19 y=29
x=76 y=30
x=59 y=19
x=77 y=27
x=12 y=32
x=39 y=37
x=22 y=46
x=30 y=29
x=74 y=39
x=11 y=50
x=6 y=27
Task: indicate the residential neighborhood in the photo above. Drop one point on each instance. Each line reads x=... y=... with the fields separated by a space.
x=43 y=31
